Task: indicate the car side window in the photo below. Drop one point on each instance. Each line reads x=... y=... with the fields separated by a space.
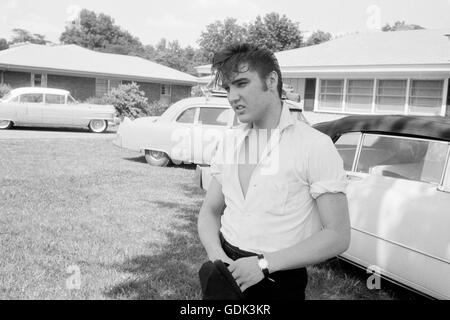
x=55 y=99
x=214 y=116
x=31 y=98
x=15 y=99
x=404 y=158
x=346 y=145
x=187 y=116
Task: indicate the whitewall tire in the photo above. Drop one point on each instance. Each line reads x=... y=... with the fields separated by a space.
x=98 y=126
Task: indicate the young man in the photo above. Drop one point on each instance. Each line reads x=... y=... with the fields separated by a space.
x=283 y=190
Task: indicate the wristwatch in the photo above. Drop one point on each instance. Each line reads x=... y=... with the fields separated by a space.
x=263 y=265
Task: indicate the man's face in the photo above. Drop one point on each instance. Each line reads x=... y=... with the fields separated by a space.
x=248 y=95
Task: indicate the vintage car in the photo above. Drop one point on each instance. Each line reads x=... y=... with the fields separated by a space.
x=186 y=132
x=398 y=170
x=38 y=106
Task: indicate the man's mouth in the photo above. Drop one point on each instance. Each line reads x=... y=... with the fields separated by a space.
x=239 y=108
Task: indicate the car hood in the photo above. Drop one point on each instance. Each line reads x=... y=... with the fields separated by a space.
x=146 y=120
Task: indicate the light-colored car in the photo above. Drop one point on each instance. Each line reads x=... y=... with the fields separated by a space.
x=186 y=132
x=398 y=170
x=38 y=106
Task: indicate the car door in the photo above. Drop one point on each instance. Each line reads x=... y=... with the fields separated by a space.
x=55 y=110
x=179 y=138
x=29 y=108
x=211 y=126
x=398 y=210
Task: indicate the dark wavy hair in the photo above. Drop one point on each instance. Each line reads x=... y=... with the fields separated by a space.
x=229 y=61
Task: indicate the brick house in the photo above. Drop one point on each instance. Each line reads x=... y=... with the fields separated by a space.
x=86 y=73
x=404 y=72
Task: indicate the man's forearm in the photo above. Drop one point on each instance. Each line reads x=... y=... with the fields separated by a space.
x=319 y=247
x=208 y=230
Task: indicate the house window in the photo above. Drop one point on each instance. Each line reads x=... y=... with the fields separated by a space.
x=38 y=80
x=425 y=96
x=165 y=90
x=331 y=94
x=359 y=95
x=391 y=96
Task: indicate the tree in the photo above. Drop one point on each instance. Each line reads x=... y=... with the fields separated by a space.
x=171 y=54
x=3 y=44
x=318 y=37
x=219 y=34
x=274 y=32
x=100 y=33
x=401 y=26
x=22 y=35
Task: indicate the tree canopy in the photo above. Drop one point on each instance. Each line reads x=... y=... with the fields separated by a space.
x=401 y=26
x=3 y=44
x=22 y=35
x=100 y=33
x=274 y=32
x=219 y=34
x=318 y=37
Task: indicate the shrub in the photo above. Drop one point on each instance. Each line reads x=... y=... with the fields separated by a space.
x=4 y=90
x=128 y=100
x=98 y=100
x=156 y=108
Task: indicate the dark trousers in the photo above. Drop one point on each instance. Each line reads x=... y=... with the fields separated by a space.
x=288 y=284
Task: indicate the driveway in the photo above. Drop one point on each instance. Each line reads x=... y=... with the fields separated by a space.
x=55 y=133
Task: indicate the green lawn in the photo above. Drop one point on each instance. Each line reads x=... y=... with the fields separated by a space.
x=128 y=227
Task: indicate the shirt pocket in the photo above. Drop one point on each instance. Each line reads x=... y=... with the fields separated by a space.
x=281 y=198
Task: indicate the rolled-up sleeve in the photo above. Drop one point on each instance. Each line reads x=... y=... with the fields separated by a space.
x=326 y=172
x=217 y=162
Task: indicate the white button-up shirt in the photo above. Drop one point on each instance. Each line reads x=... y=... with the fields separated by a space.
x=279 y=210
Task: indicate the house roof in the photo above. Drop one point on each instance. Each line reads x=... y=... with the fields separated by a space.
x=75 y=60
x=417 y=48
x=401 y=51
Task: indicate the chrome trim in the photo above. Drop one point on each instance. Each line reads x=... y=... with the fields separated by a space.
x=403 y=246
x=442 y=186
x=358 y=151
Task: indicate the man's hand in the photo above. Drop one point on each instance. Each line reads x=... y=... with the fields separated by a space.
x=246 y=272
x=223 y=257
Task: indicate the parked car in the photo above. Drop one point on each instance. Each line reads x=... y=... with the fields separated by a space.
x=38 y=106
x=186 y=132
x=398 y=169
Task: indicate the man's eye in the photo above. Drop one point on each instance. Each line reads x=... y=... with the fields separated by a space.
x=241 y=84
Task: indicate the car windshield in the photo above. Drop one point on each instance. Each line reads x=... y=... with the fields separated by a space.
x=71 y=100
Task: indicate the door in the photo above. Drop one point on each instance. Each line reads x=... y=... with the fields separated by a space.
x=55 y=111
x=211 y=126
x=29 y=108
x=178 y=139
x=399 y=216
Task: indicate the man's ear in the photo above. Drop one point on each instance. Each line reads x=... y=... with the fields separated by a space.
x=272 y=81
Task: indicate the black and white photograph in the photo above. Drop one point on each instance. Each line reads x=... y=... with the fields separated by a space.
x=227 y=155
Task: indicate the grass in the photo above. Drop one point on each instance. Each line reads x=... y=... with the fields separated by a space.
x=128 y=227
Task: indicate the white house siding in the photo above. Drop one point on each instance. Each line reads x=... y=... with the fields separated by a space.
x=298 y=84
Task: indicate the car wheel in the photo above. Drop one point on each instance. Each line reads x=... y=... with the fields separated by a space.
x=157 y=158
x=5 y=124
x=98 y=126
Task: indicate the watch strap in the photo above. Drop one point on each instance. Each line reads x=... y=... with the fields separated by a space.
x=264 y=270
